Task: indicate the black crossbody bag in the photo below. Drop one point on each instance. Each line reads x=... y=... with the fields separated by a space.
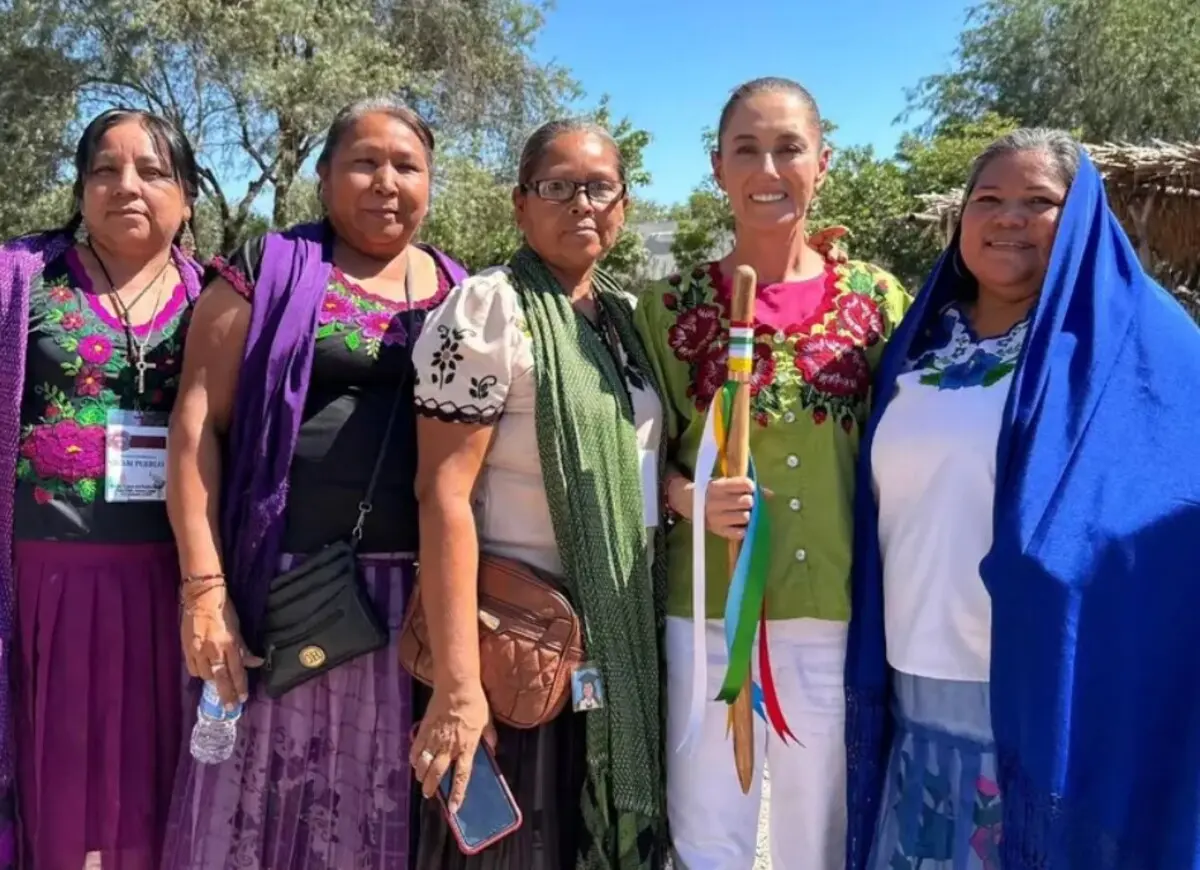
x=318 y=614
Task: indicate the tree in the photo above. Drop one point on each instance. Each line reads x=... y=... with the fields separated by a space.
x=703 y=222
x=255 y=83
x=874 y=197
x=38 y=95
x=941 y=162
x=471 y=215
x=649 y=211
x=1111 y=69
x=869 y=197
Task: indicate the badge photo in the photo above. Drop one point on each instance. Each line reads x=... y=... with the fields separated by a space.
x=587 y=689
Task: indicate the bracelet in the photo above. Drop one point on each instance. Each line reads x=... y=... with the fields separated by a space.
x=190 y=596
x=195 y=578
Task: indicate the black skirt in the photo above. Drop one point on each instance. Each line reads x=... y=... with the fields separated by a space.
x=546 y=769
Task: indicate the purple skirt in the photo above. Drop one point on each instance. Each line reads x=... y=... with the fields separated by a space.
x=98 y=712
x=320 y=778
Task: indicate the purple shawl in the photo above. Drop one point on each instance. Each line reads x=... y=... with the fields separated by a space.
x=21 y=261
x=272 y=387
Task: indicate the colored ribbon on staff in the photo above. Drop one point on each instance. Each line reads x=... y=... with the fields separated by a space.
x=745 y=603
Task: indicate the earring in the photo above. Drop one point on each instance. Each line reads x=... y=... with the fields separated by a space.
x=187 y=241
x=81 y=233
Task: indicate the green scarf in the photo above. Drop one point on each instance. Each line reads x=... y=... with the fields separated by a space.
x=588 y=448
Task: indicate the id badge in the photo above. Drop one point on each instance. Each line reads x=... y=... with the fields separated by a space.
x=587 y=688
x=649 y=470
x=135 y=456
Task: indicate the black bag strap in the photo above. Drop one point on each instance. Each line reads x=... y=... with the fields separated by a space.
x=365 y=506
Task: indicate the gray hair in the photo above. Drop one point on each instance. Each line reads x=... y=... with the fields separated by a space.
x=359 y=109
x=543 y=136
x=1063 y=151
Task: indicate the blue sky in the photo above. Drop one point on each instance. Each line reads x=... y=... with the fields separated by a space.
x=670 y=64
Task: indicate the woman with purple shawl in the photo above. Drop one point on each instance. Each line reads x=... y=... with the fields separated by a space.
x=299 y=346
x=94 y=317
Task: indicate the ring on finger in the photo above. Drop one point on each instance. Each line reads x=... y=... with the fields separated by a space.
x=426 y=758
x=218 y=666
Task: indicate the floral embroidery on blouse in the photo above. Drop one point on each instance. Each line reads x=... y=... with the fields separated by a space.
x=362 y=320
x=62 y=452
x=365 y=322
x=953 y=357
x=444 y=361
x=821 y=361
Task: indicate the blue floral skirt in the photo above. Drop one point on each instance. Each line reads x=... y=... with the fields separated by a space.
x=941 y=804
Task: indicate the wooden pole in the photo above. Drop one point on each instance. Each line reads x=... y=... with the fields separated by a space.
x=737 y=455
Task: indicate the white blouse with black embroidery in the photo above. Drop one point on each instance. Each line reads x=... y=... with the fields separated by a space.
x=474 y=364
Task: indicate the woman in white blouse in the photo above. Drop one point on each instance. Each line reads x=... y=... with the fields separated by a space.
x=539 y=437
x=1025 y=605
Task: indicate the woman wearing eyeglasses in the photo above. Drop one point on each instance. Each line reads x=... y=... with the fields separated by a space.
x=538 y=437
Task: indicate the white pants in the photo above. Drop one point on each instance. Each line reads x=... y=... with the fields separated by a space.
x=713 y=824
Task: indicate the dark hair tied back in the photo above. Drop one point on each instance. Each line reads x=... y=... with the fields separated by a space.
x=171 y=146
x=768 y=85
x=351 y=114
x=540 y=140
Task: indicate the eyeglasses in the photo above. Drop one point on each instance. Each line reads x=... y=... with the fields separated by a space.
x=600 y=192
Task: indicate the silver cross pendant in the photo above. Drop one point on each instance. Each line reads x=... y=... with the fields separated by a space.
x=142 y=365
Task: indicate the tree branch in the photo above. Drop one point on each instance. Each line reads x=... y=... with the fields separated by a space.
x=247 y=141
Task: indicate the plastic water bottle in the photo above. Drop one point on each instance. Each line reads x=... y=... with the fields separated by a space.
x=215 y=732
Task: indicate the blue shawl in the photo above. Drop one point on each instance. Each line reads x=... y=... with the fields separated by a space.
x=272 y=387
x=1095 y=689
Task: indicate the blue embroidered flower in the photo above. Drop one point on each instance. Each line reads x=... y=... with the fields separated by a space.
x=953 y=359
x=969 y=373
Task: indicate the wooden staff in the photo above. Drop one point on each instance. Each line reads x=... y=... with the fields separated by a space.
x=737 y=456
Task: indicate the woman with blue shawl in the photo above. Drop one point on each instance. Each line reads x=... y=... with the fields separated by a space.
x=1021 y=683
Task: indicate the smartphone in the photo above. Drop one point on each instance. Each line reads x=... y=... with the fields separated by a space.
x=488 y=813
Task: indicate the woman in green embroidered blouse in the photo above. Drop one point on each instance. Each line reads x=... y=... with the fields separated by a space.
x=820 y=326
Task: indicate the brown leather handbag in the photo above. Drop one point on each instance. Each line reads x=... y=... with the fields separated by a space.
x=530 y=643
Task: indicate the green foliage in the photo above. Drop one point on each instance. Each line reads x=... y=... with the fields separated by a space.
x=870 y=197
x=255 y=83
x=703 y=224
x=1112 y=69
x=471 y=216
x=938 y=163
x=37 y=93
x=874 y=197
x=210 y=235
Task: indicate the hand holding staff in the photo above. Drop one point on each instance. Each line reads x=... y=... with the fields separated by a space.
x=737 y=452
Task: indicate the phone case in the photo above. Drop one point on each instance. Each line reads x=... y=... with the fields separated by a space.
x=499 y=835
x=453 y=823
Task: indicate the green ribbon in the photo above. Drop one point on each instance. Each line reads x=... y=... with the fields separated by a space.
x=754 y=588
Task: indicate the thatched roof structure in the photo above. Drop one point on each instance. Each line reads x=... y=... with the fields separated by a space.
x=1154 y=190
